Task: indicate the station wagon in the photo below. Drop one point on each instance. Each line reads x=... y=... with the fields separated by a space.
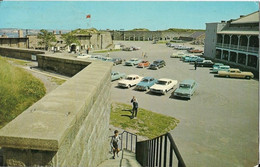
x=186 y=89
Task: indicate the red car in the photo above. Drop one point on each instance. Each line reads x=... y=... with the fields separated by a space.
x=143 y=64
x=195 y=51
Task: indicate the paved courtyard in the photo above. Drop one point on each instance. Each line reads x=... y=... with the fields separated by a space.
x=218 y=126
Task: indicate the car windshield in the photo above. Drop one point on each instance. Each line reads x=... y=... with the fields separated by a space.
x=145 y=80
x=129 y=78
x=184 y=86
x=162 y=82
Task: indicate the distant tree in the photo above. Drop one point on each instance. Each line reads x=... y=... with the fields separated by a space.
x=46 y=38
x=69 y=39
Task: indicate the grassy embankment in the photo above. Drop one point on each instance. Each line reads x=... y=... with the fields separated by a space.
x=147 y=123
x=18 y=91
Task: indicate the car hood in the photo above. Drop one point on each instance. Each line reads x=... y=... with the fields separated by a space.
x=183 y=91
x=124 y=81
x=160 y=87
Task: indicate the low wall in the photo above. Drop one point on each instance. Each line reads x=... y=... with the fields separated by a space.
x=19 y=53
x=67 y=127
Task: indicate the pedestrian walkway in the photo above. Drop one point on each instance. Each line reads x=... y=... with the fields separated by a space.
x=128 y=160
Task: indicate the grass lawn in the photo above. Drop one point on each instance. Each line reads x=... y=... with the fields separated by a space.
x=18 y=91
x=147 y=123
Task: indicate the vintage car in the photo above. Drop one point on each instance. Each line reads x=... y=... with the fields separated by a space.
x=195 y=51
x=216 y=65
x=115 y=75
x=127 y=49
x=177 y=55
x=135 y=48
x=117 y=61
x=196 y=58
x=163 y=85
x=184 y=48
x=157 y=64
x=83 y=56
x=236 y=73
x=205 y=63
x=143 y=64
x=186 y=89
x=220 y=68
x=129 y=81
x=132 y=62
x=184 y=57
x=146 y=83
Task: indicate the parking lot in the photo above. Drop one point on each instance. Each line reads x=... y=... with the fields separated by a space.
x=218 y=126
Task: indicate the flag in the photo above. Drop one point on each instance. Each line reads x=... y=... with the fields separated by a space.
x=88 y=16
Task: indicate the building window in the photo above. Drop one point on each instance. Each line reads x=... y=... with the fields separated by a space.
x=252 y=61
x=233 y=57
x=242 y=58
x=218 y=54
x=225 y=55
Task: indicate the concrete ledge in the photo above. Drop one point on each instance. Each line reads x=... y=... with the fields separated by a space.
x=46 y=124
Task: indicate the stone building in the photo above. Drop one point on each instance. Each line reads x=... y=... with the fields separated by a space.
x=235 y=42
x=147 y=35
x=95 y=41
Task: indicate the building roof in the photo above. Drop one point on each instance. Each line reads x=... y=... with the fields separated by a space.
x=239 y=32
x=250 y=18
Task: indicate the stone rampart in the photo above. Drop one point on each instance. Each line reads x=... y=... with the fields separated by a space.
x=18 y=53
x=68 y=126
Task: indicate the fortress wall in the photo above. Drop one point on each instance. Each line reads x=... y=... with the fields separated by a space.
x=14 y=42
x=18 y=53
x=68 y=126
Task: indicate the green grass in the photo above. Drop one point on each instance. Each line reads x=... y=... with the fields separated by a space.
x=18 y=91
x=57 y=80
x=17 y=61
x=147 y=124
x=105 y=51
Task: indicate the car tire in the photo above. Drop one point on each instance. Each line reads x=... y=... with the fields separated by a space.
x=129 y=86
x=248 y=77
x=227 y=76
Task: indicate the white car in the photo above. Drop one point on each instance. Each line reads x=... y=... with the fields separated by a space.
x=163 y=85
x=177 y=55
x=129 y=81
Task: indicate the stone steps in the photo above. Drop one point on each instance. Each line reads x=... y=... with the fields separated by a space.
x=128 y=160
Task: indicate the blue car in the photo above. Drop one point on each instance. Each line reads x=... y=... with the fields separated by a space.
x=186 y=89
x=193 y=59
x=146 y=83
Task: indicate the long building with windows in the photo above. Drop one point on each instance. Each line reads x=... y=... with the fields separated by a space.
x=235 y=42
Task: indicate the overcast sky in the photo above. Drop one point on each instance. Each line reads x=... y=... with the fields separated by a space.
x=115 y=15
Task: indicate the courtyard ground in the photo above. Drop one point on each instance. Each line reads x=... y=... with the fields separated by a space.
x=218 y=126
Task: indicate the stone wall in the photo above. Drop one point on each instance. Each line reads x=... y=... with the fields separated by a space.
x=14 y=42
x=67 y=127
x=18 y=53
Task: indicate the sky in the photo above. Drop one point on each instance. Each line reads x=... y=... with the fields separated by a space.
x=116 y=15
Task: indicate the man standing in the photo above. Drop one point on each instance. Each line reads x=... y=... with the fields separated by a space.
x=195 y=65
x=135 y=107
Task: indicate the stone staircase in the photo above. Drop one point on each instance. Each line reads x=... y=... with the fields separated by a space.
x=126 y=159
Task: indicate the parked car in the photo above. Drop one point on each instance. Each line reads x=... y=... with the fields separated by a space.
x=163 y=85
x=220 y=68
x=117 y=61
x=236 y=73
x=143 y=64
x=177 y=55
x=184 y=57
x=157 y=64
x=146 y=83
x=195 y=51
x=127 y=49
x=196 y=58
x=216 y=65
x=129 y=81
x=115 y=75
x=184 y=48
x=186 y=89
x=135 y=48
x=205 y=63
x=132 y=62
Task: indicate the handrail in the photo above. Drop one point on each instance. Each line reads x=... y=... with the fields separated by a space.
x=157 y=152
x=132 y=144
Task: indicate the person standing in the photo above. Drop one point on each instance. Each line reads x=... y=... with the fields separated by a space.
x=135 y=107
x=114 y=143
x=195 y=65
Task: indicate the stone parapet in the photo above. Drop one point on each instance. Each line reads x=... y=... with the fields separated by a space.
x=68 y=126
x=18 y=53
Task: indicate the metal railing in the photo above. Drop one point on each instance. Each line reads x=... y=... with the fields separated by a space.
x=240 y=48
x=157 y=152
x=128 y=141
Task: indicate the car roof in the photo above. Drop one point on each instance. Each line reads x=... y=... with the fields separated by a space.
x=187 y=81
x=164 y=79
x=218 y=64
x=132 y=75
x=236 y=69
x=148 y=78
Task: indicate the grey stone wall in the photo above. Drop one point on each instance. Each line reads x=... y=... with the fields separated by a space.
x=67 y=127
x=14 y=42
x=18 y=53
